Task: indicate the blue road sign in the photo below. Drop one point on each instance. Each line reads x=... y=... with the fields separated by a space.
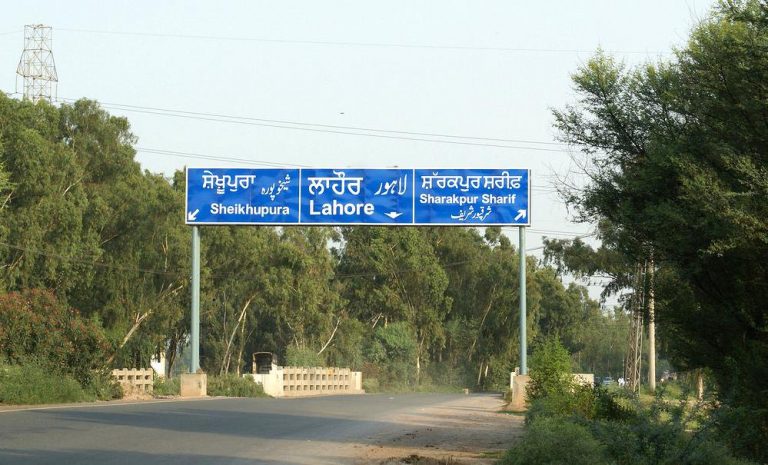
x=482 y=196
x=358 y=196
x=242 y=196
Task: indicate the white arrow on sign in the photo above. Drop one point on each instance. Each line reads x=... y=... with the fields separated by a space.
x=393 y=215
x=521 y=214
x=192 y=216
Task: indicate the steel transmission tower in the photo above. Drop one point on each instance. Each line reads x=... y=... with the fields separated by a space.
x=633 y=362
x=36 y=66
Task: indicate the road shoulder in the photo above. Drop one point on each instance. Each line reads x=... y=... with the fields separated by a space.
x=466 y=431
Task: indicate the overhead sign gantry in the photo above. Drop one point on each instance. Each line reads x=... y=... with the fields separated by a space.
x=337 y=197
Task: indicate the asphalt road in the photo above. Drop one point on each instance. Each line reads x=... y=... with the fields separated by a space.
x=212 y=431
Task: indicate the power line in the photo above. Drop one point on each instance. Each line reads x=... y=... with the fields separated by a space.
x=178 y=273
x=85 y=262
x=201 y=156
x=321 y=128
x=330 y=131
x=543 y=246
x=357 y=44
x=550 y=231
x=9 y=32
x=247 y=162
x=127 y=107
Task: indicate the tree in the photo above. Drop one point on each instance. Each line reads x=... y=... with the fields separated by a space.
x=392 y=275
x=678 y=163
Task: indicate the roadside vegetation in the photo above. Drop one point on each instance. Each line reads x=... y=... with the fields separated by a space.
x=95 y=262
x=671 y=163
x=95 y=266
x=234 y=386
x=574 y=424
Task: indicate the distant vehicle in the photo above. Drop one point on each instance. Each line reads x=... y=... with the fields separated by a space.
x=607 y=381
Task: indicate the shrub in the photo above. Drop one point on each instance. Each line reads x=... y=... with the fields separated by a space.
x=234 y=386
x=371 y=385
x=391 y=356
x=32 y=383
x=645 y=440
x=163 y=386
x=103 y=386
x=580 y=401
x=35 y=326
x=556 y=441
x=550 y=371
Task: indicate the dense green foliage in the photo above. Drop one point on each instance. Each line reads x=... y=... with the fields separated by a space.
x=566 y=423
x=413 y=308
x=550 y=441
x=550 y=371
x=677 y=167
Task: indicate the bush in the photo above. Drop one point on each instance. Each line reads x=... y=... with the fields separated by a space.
x=391 y=355
x=32 y=383
x=234 y=386
x=647 y=440
x=580 y=402
x=36 y=328
x=550 y=371
x=166 y=386
x=371 y=385
x=555 y=441
x=103 y=386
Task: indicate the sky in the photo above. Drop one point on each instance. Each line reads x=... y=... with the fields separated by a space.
x=412 y=84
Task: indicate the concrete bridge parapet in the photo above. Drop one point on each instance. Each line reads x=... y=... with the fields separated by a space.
x=309 y=381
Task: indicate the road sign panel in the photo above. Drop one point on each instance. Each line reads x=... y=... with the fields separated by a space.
x=467 y=196
x=356 y=196
x=242 y=196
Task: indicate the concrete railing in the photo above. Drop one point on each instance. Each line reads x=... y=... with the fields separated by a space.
x=135 y=381
x=310 y=381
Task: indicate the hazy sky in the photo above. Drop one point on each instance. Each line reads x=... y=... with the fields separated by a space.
x=481 y=69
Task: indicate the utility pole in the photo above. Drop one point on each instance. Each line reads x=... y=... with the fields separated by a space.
x=36 y=66
x=651 y=328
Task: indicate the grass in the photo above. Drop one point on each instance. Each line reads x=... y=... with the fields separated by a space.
x=32 y=384
x=167 y=386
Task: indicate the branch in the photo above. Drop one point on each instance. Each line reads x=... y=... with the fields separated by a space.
x=330 y=338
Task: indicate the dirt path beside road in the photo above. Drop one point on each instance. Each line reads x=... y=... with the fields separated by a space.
x=468 y=431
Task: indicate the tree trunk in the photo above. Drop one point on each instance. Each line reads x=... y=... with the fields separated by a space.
x=170 y=357
x=699 y=384
x=479 y=374
x=241 y=347
x=330 y=338
x=418 y=361
x=482 y=322
x=139 y=318
x=227 y=354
